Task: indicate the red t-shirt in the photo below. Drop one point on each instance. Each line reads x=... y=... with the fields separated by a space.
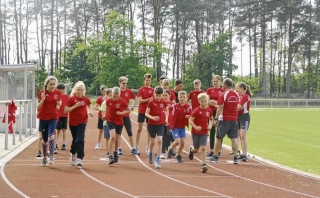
x=78 y=115
x=193 y=96
x=39 y=96
x=172 y=95
x=156 y=109
x=214 y=95
x=64 y=100
x=169 y=105
x=49 y=110
x=179 y=115
x=99 y=102
x=144 y=93
x=230 y=100
x=201 y=118
x=113 y=107
x=245 y=102
x=127 y=95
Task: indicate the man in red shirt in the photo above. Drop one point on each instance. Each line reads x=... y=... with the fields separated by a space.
x=228 y=123
x=127 y=95
x=145 y=94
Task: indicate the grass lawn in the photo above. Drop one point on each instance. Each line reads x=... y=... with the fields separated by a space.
x=287 y=136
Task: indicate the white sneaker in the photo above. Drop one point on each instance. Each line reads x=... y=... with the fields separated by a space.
x=98 y=146
x=51 y=160
x=79 y=163
x=163 y=156
x=73 y=159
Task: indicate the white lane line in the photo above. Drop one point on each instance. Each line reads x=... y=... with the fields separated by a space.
x=178 y=196
x=106 y=185
x=193 y=176
x=283 y=139
x=178 y=181
x=254 y=181
x=8 y=157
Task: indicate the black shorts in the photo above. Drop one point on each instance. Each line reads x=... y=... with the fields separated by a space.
x=229 y=128
x=118 y=128
x=62 y=123
x=155 y=130
x=244 y=121
x=142 y=117
x=100 y=123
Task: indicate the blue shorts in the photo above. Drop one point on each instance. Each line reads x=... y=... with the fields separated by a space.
x=179 y=133
x=106 y=133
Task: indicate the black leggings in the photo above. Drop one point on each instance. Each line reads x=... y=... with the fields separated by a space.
x=164 y=139
x=127 y=125
x=78 y=133
x=213 y=133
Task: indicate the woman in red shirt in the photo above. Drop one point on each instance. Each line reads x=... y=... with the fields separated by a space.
x=78 y=107
x=243 y=117
x=49 y=102
x=214 y=93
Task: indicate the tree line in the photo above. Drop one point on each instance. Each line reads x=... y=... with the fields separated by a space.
x=98 y=41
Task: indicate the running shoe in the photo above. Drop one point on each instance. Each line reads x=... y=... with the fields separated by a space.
x=209 y=154
x=231 y=153
x=73 y=159
x=204 y=168
x=57 y=147
x=170 y=152
x=55 y=150
x=98 y=146
x=190 y=152
x=51 y=161
x=158 y=164
x=244 y=158
x=133 y=151
x=219 y=154
x=137 y=151
x=179 y=158
x=44 y=161
x=163 y=156
x=64 y=147
x=119 y=151
x=236 y=160
x=150 y=158
x=79 y=163
x=108 y=154
x=111 y=159
x=115 y=157
x=38 y=154
x=214 y=159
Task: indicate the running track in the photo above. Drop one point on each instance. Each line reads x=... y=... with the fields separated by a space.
x=133 y=176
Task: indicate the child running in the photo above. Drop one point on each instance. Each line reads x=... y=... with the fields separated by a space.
x=78 y=107
x=180 y=115
x=201 y=121
x=48 y=105
x=63 y=118
x=100 y=121
x=106 y=133
x=193 y=95
x=116 y=107
x=154 y=113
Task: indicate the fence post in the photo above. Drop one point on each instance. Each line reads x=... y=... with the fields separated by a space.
x=306 y=103
x=30 y=117
x=20 y=120
x=26 y=117
x=6 y=129
x=271 y=103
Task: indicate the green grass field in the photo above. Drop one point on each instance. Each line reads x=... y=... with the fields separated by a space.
x=287 y=136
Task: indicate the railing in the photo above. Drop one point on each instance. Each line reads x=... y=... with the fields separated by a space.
x=23 y=119
x=285 y=103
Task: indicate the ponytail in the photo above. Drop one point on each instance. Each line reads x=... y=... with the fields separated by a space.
x=248 y=91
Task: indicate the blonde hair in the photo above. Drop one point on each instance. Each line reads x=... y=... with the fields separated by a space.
x=182 y=93
x=46 y=81
x=165 y=81
x=77 y=85
x=197 y=81
x=217 y=77
x=116 y=90
x=123 y=78
x=203 y=96
x=103 y=87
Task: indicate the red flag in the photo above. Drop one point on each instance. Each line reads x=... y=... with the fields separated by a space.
x=11 y=116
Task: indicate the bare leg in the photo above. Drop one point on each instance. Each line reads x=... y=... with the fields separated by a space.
x=243 y=135
x=182 y=142
x=159 y=145
x=138 y=134
x=203 y=154
x=152 y=144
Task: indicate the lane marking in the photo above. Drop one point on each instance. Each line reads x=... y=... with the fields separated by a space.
x=193 y=176
x=106 y=185
x=170 y=178
x=254 y=181
x=179 y=196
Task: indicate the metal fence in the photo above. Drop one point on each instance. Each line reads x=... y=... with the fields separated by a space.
x=22 y=127
x=285 y=103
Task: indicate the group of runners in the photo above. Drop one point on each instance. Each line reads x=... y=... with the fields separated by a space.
x=222 y=109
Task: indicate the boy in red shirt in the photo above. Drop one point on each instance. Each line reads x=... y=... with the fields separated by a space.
x=63 y=117
x=193 y=95
x=97 y=106
x=145 y=94
x=116 y=107
x=180 y=115
x=201 y=122
x=156 y=120
x=78 y=107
